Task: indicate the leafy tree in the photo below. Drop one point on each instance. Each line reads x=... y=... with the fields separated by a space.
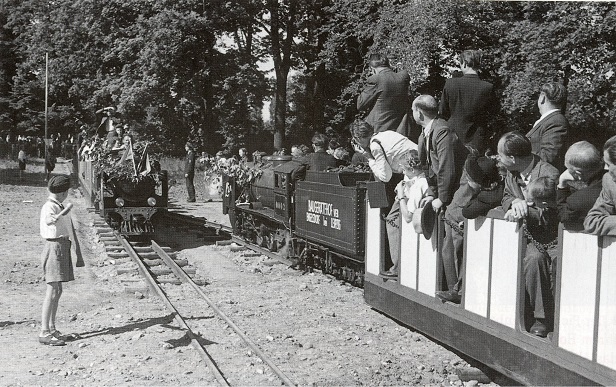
x=570 y=42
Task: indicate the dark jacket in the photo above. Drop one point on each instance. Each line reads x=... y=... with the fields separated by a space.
x=512 y=187
x=445 y=159
x=484 y=202
x=189 y=164
x=320 y=161
x=466 y=104
x=600 y=219
x=549 y=139
x=542 y=224
x=574 y=205
x=386 y=97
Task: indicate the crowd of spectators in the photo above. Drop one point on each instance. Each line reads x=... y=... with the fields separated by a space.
x=464 y=169
x=34 y=146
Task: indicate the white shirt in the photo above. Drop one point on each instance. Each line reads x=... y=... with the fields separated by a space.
x=427 y=130
x=396 y=147
x=545 y=115
x=61 y=228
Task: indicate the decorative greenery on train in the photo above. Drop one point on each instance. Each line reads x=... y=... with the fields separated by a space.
x=243 y=173
x=123 y=166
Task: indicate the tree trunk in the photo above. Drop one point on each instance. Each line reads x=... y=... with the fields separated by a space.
x=280 y=109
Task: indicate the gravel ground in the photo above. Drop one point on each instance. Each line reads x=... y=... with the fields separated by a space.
x=317 y=330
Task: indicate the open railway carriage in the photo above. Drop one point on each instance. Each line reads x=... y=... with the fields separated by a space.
x=127 y=205
x=489 y=325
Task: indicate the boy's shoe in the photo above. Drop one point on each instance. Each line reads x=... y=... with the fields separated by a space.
x=51 y=340
x=70 y=337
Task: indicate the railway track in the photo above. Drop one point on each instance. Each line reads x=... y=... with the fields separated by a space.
x=170 y=279
x=223 y=234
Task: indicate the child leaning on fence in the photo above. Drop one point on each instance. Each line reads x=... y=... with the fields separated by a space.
x=56 y=228
x=413 y=187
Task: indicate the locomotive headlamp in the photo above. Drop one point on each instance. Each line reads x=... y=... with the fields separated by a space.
x=119 y=202
x=152 y=202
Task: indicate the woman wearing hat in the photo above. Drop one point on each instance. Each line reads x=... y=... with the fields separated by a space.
x=482 y=192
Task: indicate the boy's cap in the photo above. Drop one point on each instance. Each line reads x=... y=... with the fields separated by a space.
x=59 y=183
x=482 y=170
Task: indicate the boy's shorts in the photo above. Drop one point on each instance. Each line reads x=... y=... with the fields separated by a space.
x=56 y=261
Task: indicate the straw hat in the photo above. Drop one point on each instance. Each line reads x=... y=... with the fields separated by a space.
x=423 y=220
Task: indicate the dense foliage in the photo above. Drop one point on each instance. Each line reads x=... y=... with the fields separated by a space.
x=179 y=70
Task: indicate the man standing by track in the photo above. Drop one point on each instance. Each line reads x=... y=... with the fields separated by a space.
x=189 y=172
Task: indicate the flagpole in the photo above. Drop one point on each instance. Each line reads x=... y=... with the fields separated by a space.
x=46 y=91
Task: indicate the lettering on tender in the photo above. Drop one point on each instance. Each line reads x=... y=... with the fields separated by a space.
x=318 y=213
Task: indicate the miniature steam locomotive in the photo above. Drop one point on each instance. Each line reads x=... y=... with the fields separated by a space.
x=127 y=205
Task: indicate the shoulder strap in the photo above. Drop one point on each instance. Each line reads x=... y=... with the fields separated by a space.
x=383 y=149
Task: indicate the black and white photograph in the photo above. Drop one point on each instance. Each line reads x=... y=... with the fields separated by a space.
x=307 y=193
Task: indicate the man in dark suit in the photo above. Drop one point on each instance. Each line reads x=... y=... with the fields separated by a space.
x=549 y=134
x=320 y=160
x=189 y=172
x=524 y=167
x=439 y=148
x=386 y=96
x=467 y=103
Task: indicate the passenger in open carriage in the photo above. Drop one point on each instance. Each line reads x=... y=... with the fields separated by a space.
x=299 y=151
x=601 y=219
x=319 y=160
x=478 y=194
x=242 y=156
x=386 y=152
x=440 y=149
x=580 y=184
x=550 y=133
x=521 y=204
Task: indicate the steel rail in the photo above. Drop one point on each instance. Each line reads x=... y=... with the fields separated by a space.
x=186 y=279
x=262 y=250
x=178 y=318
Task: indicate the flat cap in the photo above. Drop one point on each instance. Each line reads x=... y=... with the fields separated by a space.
x=59 y=183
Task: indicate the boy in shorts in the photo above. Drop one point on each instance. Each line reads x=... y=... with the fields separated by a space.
x=57 y=229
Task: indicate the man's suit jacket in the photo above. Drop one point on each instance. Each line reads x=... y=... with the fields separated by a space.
x=320 y=161
x=445 y=158
x=513 y=190
x=386 y=96
x=466 y=104
x=549 y=139
x=189 y=164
